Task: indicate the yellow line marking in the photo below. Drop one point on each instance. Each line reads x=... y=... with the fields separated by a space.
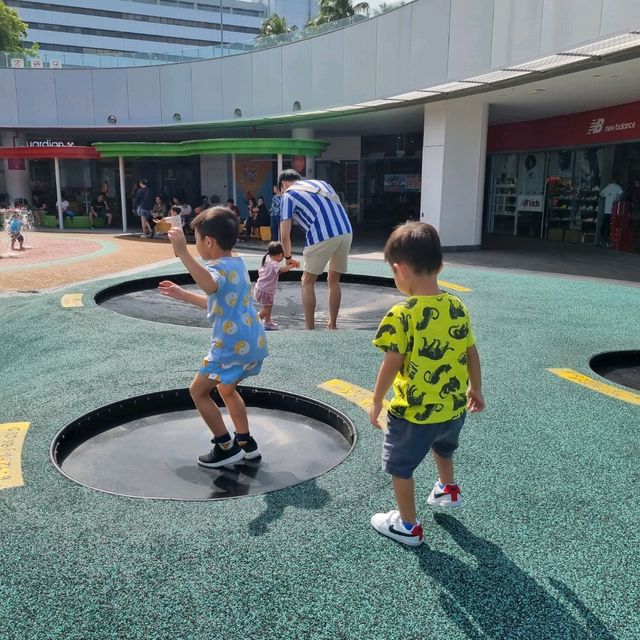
x=594 y=385
x=454 y=287
x=11 y=439
x=72 y=300
x=362 y=398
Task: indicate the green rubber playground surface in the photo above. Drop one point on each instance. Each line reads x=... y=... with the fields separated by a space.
x=545 y=546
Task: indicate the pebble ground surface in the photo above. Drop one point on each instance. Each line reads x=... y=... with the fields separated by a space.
x=545 y=546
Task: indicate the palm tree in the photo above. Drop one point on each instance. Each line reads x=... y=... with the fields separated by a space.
x=331 y=10
x=387 y=6
x=275 y=25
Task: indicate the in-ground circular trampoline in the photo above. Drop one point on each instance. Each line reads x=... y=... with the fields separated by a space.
x=365 y=299
x=147 y=446
x=621 y=367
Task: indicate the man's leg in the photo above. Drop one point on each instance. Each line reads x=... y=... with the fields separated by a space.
x=309 y=299
x=335 y=297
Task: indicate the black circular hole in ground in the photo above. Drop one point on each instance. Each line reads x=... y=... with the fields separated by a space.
x=365 y=300
x=621 y=367
x=147 y=446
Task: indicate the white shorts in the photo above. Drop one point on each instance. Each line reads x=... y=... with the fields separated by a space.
x=334 y=251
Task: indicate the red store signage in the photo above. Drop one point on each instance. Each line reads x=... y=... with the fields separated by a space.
x=611 y=124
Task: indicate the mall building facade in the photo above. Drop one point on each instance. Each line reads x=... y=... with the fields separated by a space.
x=483 y=117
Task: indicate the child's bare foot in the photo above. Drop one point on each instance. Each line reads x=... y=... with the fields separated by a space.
x=331 y=327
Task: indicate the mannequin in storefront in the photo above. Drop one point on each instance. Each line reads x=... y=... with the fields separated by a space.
x=610 y=194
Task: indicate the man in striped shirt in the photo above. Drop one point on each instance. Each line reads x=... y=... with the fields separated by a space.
x=317 y=209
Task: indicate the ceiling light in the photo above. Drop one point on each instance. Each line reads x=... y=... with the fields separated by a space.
x=608 y=46
x=112 y=119
x=534 y=91
x=549 y=62
x=177 y=116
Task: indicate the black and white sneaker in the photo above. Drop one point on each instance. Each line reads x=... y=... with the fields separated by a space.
x=219 y=457
x=250 y=448
x=390 y=524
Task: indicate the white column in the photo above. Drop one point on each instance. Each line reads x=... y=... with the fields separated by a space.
x=56 y=170
x=16 y=172
x=279 y=164
x=453 y=165
x=304 y=133
x=123 y=194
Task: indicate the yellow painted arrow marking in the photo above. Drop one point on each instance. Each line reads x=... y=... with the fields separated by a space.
x=11 y=439
x=454 y=287
x=595 y=385
x=362 y=398
x=72 y=300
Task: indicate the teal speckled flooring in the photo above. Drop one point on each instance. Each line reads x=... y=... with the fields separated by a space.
x=545 y=547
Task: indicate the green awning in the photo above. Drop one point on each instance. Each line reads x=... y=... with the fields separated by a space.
x=222 y=146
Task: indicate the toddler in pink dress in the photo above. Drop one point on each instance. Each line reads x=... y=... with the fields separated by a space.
x=265 y=289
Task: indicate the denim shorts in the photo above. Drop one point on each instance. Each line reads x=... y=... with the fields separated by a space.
x=406 y=444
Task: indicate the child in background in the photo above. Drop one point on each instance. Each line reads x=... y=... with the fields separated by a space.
x=15 y=231
x=432 y=362
x=265 y=289
x=238 y=341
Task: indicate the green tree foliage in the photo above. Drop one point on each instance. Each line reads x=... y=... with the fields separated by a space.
x=330 y=10
x=13 y=31
x=388 y=6
x=275 y=25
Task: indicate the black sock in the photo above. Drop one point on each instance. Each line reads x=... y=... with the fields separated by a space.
x=243 y=437
x=224 y=441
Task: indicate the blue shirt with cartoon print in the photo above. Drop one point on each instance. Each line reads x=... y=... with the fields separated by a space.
x=237 y=335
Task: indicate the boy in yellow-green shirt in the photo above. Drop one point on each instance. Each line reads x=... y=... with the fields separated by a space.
x=433 y=364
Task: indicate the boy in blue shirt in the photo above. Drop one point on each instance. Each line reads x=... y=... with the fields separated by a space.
x=238 y=341
x=433 y=364
x=15 y=231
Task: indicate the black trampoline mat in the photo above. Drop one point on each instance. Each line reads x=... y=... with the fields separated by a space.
x=155 y=456
x=621 y=367
x=363 y=306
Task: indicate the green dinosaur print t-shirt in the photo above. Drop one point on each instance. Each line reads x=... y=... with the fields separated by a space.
x=434 y=333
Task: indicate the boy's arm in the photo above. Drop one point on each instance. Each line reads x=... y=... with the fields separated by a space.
x=475 y=403
x=201 y=276
x=172 y=290
x=389 y=368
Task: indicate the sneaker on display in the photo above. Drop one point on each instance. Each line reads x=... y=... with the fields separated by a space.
x=250 y=448
x=219 y=457
x=390 y=524
x=448 y=497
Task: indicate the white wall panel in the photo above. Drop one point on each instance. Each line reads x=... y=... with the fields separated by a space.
x=344 y=148
x=516 y=32
x=267 y=70
x=8 y=98
x=110 y=96
x=206 y=83
x=74 y=97
x=470 y=38
x=326 y=69
x=359 y=74
x=429 y=43
x=296 y=79
x=175 y=92
x=144 y=95
x=36 y=98
x=393 y=52
x=237 y=85
x=567 y=23
x=619 y=15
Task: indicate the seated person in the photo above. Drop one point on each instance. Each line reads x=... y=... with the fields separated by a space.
x=67 y=211
x=263 y=217
x=232 y=205
x=162 y=225
x=100 y=209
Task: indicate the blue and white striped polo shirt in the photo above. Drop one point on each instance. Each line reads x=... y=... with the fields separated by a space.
x=320 y=217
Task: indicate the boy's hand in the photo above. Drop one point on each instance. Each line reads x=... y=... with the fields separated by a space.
x=178 y=241
x=475 y=400
x=171 y=289
x=374 y=415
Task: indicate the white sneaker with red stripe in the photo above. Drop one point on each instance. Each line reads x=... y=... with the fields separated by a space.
x=448 y=497
x=390 y=525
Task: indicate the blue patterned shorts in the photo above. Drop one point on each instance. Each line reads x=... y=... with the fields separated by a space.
x=229 y=374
